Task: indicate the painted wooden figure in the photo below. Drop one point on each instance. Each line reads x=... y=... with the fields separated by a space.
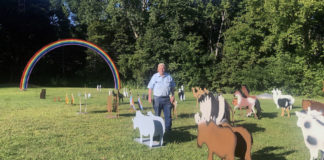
x=312 y=125
x=313 y=105
x=149 y=125
x=214 y=109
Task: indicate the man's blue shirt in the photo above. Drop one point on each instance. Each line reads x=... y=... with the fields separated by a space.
x=161 y=85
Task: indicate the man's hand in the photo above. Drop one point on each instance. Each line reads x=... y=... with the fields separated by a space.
x=172 y=99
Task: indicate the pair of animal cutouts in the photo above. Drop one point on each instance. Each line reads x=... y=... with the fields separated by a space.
x=312 y=124
x=243 y=99
x=132 y=107
x=149 y=125
x=197 y=92
x=285 y=102
x=225 y=141
x=214 y=109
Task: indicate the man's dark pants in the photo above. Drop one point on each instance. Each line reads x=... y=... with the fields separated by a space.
x=163 y=102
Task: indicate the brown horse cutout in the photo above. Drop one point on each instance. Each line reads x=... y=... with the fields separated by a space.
x=243 y=142
x=219 y=140
x=314 y=105
x=215 y=137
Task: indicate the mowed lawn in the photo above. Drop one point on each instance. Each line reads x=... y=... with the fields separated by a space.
x=34 y=128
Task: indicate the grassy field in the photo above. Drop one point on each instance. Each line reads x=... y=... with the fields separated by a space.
x=34 y=128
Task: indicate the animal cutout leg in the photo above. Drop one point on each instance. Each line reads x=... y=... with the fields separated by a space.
x=314 y=154
x=161 y=140
x=210 y=155
x=287 y=109
x=253 y=110
x=282 y=112
x=151 y=140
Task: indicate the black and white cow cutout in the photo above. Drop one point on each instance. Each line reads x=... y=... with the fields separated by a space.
x=312 y=125
x=214 y=109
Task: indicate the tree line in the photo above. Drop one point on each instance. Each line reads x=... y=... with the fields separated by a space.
x=217 y=44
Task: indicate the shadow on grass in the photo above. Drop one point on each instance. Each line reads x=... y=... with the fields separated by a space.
x=270 y=115
x=252 y=127
x=98 y=111
x=186 y=115
x=296 y=107
x=265 y=153
x=127 y=115
x=179 y=134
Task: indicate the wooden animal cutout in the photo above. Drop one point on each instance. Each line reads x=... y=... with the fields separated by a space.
x=43 y=94
x=219 y=140
x=312 y=125
x=149 y=125
x=276 y=93
x=197 y=92
x=159 y=126
x=243 y=142
x=284 y=102
x=313 y=105
x=140 y=104
x=109 y=103
x=251 y=102
x=66 y=99
x=72 y=99
x=174 y=104
x=214 y=109
x=245 y=91
x=131 y=104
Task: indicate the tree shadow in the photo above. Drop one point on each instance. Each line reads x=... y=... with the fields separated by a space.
x=179 y=134
x=252 y=127
x=265 y=153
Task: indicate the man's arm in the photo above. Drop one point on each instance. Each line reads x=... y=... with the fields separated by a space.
x=149 y=95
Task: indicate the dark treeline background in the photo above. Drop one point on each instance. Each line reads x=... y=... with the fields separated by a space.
x=217 y=44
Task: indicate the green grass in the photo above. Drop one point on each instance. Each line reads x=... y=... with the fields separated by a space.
x=34 y=128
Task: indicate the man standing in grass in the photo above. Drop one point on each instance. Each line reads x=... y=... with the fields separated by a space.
x=162 y=85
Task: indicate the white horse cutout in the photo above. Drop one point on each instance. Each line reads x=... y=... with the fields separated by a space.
x=149 y=125
x=277 y=94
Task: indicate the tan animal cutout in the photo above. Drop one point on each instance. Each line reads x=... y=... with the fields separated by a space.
x=174 y=108
x=243 y=142
x=109 y=103
x=197 y=92
x=112 y=104
x=66 y=99
x=72 y=99
x=219 y=140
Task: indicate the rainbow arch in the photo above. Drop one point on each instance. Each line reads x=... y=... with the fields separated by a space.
x=67 y=42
